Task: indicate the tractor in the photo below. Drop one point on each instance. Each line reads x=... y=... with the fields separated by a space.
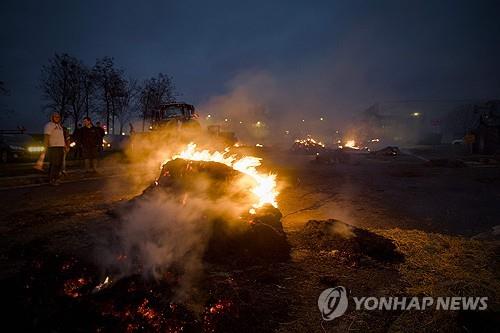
x=175 y=116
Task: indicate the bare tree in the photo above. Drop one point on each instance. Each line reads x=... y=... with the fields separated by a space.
x=89 y=89
x=68 y=87
x=127 y=103
x=56 y=85
x=71 y=88
x=5 y=112
x=110 y=87
x=81 y=87
x=154 y=92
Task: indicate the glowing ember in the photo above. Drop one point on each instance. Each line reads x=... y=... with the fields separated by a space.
x=220 y=306
x=265 y=185
x=72 y=287
x=146 y=311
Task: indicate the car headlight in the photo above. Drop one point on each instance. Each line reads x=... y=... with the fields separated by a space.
x=36 y=149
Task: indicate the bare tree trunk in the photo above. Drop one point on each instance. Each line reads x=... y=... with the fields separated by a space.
x=107 y=114
x=145 y=112
x=113 y=115
x=86 y=104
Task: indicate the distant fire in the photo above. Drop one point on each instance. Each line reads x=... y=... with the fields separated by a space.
x=350 y=144
x=309 y=141
x=265 y=184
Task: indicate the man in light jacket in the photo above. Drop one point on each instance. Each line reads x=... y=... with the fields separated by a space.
x=55 y=145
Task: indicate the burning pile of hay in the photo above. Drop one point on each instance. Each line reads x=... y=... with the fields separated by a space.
x=307 y=146
x=236 y=203
x=253 y=233
x=204 y=207
x=205 y=214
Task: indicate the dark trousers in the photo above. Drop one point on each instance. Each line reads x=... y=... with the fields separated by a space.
x=56 y=156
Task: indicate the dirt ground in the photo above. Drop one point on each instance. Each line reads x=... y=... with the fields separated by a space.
x=431 y=213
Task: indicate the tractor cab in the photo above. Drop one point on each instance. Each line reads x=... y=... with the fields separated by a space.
x=174 y=115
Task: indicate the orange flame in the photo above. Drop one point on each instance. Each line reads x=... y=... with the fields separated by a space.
x=309 y=141
x=265 y=184
x=351 y=144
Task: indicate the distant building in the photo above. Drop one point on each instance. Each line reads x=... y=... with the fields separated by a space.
x=487 y=132
x=427 y=122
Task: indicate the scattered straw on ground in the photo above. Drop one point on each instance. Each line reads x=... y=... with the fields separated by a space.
x=441 y=265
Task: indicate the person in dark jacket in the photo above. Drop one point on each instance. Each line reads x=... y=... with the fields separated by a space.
x=67 y=142
x=89 y=140
x=102 y=133
x=75 y=137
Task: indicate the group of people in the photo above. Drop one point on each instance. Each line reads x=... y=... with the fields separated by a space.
x=88 y=140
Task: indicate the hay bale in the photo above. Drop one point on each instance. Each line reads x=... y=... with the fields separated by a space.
x=332 y=156
x=387 y=151
x=328 y=235
x=258 y=237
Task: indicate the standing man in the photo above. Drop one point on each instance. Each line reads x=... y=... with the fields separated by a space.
x=67 y=142
x=102 y=133
x=75 y=137
x=90 y=139
x=55 y=144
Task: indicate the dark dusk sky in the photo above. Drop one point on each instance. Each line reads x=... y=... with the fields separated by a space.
x=337 y=56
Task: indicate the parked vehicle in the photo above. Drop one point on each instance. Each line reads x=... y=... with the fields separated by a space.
x=174 y=116
x=114 y=142
x=16 y=146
